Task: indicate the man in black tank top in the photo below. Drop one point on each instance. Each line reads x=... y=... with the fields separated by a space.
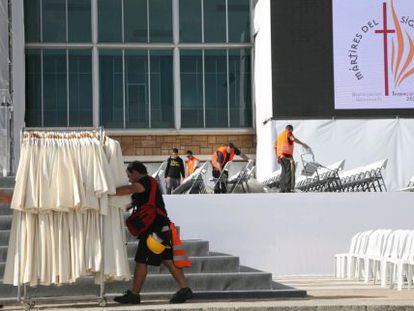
x=139 y=189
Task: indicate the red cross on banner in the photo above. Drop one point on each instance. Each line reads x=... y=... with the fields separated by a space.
x=385 y=31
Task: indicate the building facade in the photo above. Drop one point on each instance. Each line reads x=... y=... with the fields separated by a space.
x=155 y=74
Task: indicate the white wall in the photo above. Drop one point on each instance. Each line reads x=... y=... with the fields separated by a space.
x=359 y=142
x=263 y=88
x=288 y=234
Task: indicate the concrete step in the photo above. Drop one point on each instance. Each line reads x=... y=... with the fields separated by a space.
x=208 y=264
x=5 y=209
x=7 y=182
x=194 y=248
x=204 y=264
x=4 y=237
x=154 y=283
x=5 y=222
x=3 y=254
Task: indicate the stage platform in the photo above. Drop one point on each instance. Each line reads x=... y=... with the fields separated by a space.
x=288 y=234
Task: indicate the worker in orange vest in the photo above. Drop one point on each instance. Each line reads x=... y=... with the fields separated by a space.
x=219 y=160
x=191 y=164
x=284 y=151
x=140 y=190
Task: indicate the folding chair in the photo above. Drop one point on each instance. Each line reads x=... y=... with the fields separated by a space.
x=242 y=177
x=273 y=181
x=159 y=176
x=194 y=184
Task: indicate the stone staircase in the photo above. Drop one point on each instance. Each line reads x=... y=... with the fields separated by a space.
x=212 y=275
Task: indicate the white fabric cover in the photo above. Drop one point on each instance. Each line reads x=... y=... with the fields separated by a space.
x=116 y=259
x=359 y=142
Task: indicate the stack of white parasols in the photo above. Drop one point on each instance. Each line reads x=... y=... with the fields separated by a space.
x=65 y=222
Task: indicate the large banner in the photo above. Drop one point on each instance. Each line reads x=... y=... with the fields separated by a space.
x=373 y=54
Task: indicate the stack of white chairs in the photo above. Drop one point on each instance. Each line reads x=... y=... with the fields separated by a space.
x=273 y=181
x=325 y=179
x=399 y=262
x=365 y=178
x=379 y=255
x=195 y=183
x=410 y=186
x=347 y=264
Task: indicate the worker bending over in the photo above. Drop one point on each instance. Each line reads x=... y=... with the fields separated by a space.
x=219 y=160
x=284 y=151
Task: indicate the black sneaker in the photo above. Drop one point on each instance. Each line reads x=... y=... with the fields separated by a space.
x=128 y=297
x=182 y=295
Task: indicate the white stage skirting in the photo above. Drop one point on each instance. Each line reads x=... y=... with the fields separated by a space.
x=288 y=234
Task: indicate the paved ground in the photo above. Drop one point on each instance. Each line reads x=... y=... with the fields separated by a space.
x=325 y=293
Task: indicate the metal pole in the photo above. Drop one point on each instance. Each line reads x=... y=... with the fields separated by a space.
x=19 y=258
x=9 y=108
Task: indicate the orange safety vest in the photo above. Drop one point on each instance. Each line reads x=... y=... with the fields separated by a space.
x=223 y=151
x=283 y=146
x=191 y=165
x=180 y=258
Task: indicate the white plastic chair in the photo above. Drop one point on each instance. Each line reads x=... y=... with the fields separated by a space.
x=375 y=250
x=401 y=265
x=341 y=260
x=395 y=253
x=354 y=264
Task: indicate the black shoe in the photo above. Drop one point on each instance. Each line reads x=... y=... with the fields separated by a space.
x=182 y=295
x=128 y=297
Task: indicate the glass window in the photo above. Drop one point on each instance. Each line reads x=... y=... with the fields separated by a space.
x=54 y=20
x=216 y=88
x=80 y=88
x=215 y=21
x=190 y=21
x=79 y=20
x=136 y=89
x=160 y=20
x=239 y=20
x=111 y=89
x=162 y=95
x=192 y=115
x=33 y=88
x=240 y=88
x=32 y=20
x=110 y=20
x=54 y=88
x=136 y=27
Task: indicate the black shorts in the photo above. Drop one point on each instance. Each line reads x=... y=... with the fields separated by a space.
x=144 y=255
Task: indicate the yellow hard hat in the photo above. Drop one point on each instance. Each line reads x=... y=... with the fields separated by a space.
x=154 y=244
